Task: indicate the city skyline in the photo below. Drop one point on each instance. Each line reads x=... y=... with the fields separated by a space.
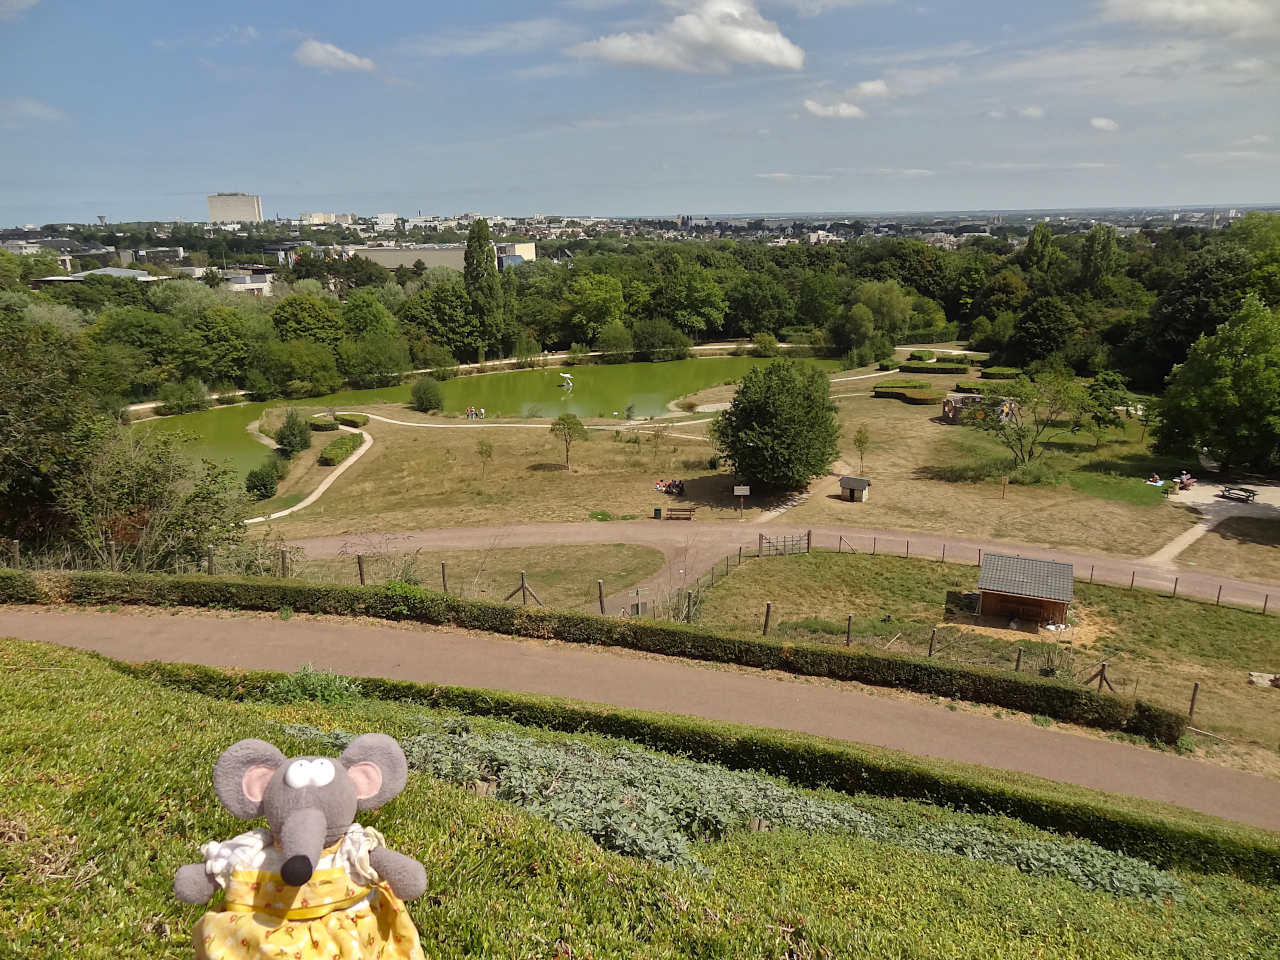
x=638 y=107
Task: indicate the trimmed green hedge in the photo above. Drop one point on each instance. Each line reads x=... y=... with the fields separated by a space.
x=351 y=419
x=908 y=395
x=1000 y=373
x=1067 y=702
x=920 y=355
x=1192 y=842
x=335 y=451
x=903 y=385
x=322 y=424
x=937 y=367
x=968 y=386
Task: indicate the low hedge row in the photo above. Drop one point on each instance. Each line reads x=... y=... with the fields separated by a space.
x=1000 y=373
x=322 y=424
x=1052 y=698
x=920 y=355
x=351 y=419
x=335 y=451
x=937 y=367
x=968 y=386
x=1191 y=843
x=908 y=395
x=903 y=385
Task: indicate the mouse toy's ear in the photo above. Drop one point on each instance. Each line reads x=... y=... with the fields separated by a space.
x=377 y=768
x=241 y=775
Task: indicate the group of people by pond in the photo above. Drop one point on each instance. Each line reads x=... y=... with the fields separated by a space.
x=673 y=488
x=474 y=414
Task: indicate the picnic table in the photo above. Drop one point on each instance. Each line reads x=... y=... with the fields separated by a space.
x=1243 y=494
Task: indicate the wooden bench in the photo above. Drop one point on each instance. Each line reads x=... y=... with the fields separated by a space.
x=680 y=513
x=1243 y=494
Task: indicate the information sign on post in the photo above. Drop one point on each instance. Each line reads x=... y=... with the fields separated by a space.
x=740 y=492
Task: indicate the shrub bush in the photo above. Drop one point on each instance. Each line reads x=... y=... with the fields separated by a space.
x=426 y=395
x=322 y=424
x=293 y=436
x=937 y=367
x=578 y=353
x=184 y=397
x=263 y=480
x=335 y=451
x=920 y=355
x=969 y=386
x=351 y=419
x=1062 y=701
x=309 y=685
x=1114 y=823
x=1000 y=373
x=765 y=345
x=227 y=399
x=909 y=395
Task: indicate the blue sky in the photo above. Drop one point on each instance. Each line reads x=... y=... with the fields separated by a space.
x=634 y=106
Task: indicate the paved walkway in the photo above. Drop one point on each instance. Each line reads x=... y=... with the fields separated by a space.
x=692 y=548
x=625 y=680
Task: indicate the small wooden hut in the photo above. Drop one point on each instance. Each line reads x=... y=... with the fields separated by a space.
x=857 y=489
x=1034 y=591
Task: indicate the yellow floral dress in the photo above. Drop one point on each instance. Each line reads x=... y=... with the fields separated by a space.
x=344 y=912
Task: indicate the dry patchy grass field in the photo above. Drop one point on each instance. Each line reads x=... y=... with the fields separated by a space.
x=1245 y=547
x=559 y=576
x=912 y=451
x=1155 y=645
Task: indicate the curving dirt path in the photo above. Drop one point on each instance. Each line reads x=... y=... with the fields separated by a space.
x=691 y=548
x=625 y=680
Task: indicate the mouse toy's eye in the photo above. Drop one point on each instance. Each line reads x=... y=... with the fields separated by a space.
x=310 y=773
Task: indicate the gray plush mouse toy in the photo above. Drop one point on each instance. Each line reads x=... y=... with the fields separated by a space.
x=315 y=884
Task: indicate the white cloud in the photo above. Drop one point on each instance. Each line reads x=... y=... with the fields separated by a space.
x=15 y=111
x=1256 y=139
x=1233 y=158
x=1029 y=112
x=325 y=56
x=1105 y=124
x=711 y=37
x=1211 y=16
x=11 y=8
x=907 y=82
x=845 y=111
x=791 y=177
x=518 y=36
x=870 y=90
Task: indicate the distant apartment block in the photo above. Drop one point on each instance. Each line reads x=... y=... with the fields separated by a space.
x=440 y=254
x=235 y=208
x=316 y=219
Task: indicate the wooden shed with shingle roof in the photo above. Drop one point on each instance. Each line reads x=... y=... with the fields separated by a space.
x=1036 y=591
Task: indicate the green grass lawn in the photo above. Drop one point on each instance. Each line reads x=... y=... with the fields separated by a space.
x=1152 y=642
x=106 y=792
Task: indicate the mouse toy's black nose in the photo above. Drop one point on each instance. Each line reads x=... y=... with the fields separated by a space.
x=296 y=871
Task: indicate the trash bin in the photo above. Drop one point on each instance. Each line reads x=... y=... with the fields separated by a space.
x=657 y=513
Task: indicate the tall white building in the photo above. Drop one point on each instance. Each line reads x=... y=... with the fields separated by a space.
x=235 y=208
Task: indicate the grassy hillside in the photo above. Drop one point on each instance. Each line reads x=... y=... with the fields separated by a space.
x=106 y=791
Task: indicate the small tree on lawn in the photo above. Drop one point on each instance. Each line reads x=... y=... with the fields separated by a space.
x=294 y=434
x=426 y=395
x=1105 y=395
x=484 y=450
x=1025 y=414
x=780 y=431
x=568 y=429
x=862 y=443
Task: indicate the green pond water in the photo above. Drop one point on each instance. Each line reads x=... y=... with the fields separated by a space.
x=598 y=391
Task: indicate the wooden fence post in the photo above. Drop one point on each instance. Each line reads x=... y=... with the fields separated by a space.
x=1132 y=575
x=760 y=545
x=208 y=556
x=808 y=542
x=908 y=549
x=600 y=591
x=739 y=556
x=15 y=552
x=1195 y=692
x=979 y=556
x=360 y=567
x=284 y=564
x=873 y=546
x=944 y=552
x=726 y=566
x=768 y=614
x=1265 y=600
x=444 y=578
x=524 y=590
x=1219 y=600
x=932 y=636
x=1091 y=566
x=688 y=606
x=1175 y=586
x=1017 y=664
x=111 y=545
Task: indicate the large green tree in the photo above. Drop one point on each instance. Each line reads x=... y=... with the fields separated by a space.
x=1226 y=397
x=593 y=302
x=442 y=314
x=780 y=431
x=484 y=291
x=307 y=317
x=1043 y=331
